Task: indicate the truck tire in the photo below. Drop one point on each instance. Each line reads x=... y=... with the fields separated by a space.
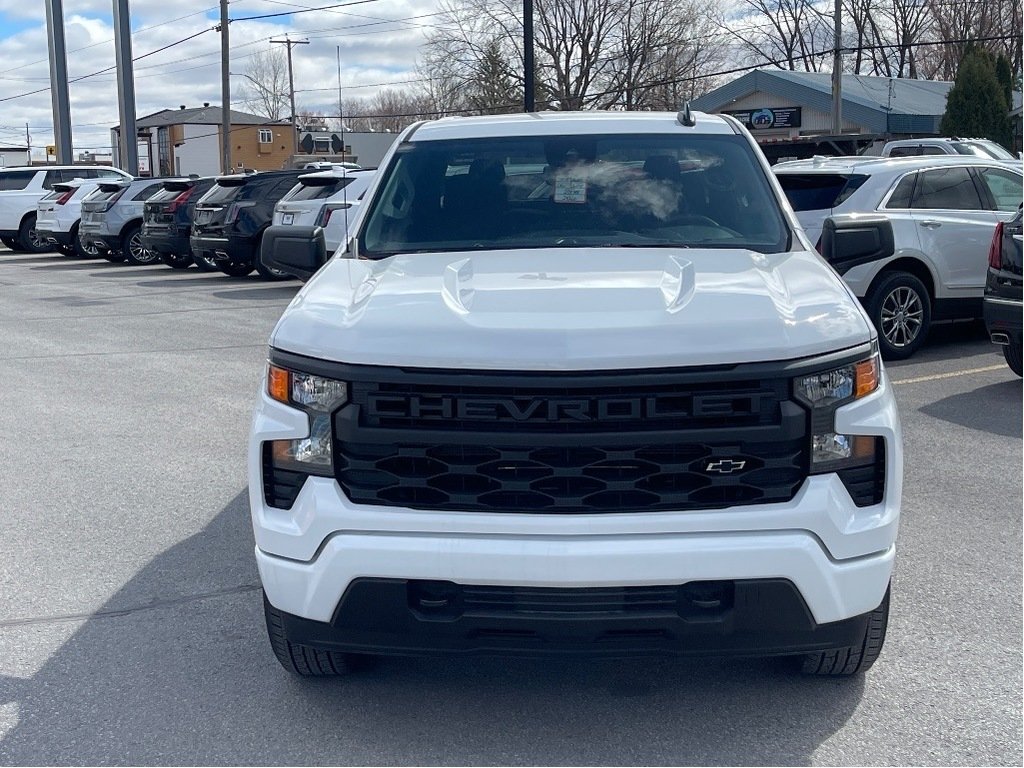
x=28 y=240
x=1013 y=352
x=855 y=659
x=301 y=660
x=901 y=310
x=11 y=243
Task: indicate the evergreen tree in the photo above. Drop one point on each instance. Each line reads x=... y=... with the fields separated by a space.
x=1005 y=76
x=976 y=105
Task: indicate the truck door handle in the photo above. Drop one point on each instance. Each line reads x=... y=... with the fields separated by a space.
x=931 y=224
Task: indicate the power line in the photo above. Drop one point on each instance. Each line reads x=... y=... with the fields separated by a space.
x=303 y=10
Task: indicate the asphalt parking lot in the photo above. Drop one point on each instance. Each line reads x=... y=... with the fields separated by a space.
x=131 y=629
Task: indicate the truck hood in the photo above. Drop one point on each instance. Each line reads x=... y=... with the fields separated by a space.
x=572 y=309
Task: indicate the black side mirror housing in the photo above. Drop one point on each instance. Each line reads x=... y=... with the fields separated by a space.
x=297 y=251
x=851 y=240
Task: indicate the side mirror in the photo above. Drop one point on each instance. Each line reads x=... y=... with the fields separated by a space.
x=298 y=251
x=851 y=240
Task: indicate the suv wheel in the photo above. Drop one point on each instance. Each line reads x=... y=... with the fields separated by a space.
x=901 y=310
x=85 y=249
x=302 y=660
x=855 y=659
x=12 y=243
x=1014 y=352
x=204 y=263
x=133 y=251
x=235 y=268
x=267 y=273
x=29 y=239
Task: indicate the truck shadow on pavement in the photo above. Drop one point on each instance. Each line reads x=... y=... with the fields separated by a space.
x=995 y=408
x=175 y=668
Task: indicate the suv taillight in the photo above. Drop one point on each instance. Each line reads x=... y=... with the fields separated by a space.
x=995 y=250
x=65 y=197
x=233 y=209
x=180 y=200
x=327 y=210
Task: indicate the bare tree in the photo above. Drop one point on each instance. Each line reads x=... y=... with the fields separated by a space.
x=265 y=91
x=792 y=32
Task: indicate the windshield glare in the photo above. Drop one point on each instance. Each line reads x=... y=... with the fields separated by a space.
x=570 y=191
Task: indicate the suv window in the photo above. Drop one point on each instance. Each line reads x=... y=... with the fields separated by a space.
x=12 y=181
x=1005 y=187
x=104 y=173
x=819 y=191
x=316 y=189
x=915 y=151
x=574 y=191
x=221 y=194
x=900 y=197
x=947 y=189
x=148 y=191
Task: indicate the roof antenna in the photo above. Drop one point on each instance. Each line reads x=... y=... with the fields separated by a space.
x=685 y=116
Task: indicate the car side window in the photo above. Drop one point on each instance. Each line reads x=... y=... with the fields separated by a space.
x=950 y=189
x=105 y=174
x=901 y=195
x=904 y=151
x=53 y=177
x=932 y=151
x=1004 y=186
x=13 y=181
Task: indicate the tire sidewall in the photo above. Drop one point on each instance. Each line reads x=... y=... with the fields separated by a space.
x=126 y=249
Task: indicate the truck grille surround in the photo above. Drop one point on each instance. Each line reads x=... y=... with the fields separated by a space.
x=570 y=443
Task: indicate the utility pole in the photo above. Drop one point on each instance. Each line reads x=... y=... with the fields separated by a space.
x=225 y=91
x=291 y=87
x=28 y=143
x=129 y=149
x=837 y=72
x=529 y=87
x=59 y=81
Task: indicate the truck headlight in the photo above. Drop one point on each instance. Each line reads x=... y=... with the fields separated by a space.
x=319 y=397
x=826 y=391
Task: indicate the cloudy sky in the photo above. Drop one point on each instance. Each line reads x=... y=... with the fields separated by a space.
x=379 y=40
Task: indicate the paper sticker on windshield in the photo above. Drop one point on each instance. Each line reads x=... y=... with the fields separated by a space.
x=570 y=189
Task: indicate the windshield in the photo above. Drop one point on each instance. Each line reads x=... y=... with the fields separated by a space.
x=570 y=191
x=987 y=149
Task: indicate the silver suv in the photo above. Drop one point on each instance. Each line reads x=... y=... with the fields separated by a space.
x=112 y=219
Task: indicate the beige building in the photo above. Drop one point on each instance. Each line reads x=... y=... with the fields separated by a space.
x=183 y=141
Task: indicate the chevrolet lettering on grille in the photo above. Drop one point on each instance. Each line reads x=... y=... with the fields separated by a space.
x=562 y=409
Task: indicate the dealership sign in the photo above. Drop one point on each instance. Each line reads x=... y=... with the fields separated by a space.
x=763 y=119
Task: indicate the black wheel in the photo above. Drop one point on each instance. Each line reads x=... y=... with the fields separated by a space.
x=132 y=249
x=855 y=659
x=29 y=239
x=113 y=256
x=12 y=243
x=1013 y=352
x=176 y=260
x=267 y=273
x=204 y=263
x=901 y=310
x=82 y=248
x=302 y=660
x=235 y=268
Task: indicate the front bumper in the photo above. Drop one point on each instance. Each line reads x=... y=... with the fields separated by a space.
x=408 y=617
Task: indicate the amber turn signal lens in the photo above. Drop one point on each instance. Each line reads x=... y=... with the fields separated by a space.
x=278 y=383
x=866 y=377
x=863 y=446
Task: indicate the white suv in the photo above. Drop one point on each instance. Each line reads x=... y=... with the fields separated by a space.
x=984 y=148
x=579 y=383
x=22 y=188
x=943 y=212
x=59 y=214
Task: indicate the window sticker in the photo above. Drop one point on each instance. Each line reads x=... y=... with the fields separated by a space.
x=570 y=188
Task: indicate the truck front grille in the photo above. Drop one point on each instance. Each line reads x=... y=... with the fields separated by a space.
x=581 y=443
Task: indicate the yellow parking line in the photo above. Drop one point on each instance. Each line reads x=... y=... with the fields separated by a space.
x=950 y=374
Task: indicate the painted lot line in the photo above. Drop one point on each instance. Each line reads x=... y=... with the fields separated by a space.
x=950 y=374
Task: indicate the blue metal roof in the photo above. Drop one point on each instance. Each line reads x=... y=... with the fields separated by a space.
x=917 y=105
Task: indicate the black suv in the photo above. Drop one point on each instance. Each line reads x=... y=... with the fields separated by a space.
x=229 y=221
x=167 y=220
x=1003 y=292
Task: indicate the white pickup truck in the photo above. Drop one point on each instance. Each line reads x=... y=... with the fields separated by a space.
x=577 y=383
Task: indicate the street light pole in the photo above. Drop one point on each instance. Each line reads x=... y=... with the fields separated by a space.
x=837 y=72
x=225 y=90
x=291 y=87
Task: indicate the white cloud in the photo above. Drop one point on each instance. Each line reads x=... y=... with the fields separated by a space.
x=189 y=73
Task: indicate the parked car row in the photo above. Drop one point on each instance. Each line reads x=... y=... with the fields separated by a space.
x=215 y=222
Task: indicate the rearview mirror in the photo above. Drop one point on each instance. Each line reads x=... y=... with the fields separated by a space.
x=851 y=240
x=297 y=251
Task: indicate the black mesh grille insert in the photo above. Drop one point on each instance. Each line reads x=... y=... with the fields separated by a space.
x=280 y=486
x=573 y=443
x=587 y=601
x=866 y=485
